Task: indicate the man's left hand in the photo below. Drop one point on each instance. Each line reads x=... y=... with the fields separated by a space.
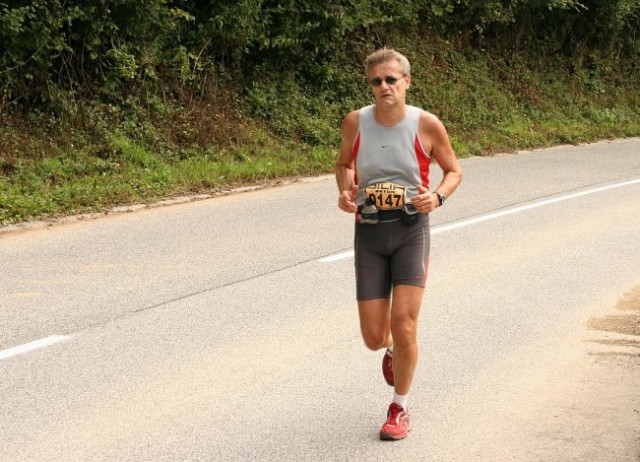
x=425 y=201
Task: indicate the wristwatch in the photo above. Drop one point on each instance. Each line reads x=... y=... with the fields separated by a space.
x=441 y=198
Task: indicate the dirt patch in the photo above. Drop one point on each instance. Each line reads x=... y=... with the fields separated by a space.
x=630 y=301
x=621 y=342
x=616 y=353
x=627 y=324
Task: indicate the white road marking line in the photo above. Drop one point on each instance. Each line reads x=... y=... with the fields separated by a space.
x=36 y=344
x=336 y=257
x=52 y=340
x=492 y=216
x=522 y=208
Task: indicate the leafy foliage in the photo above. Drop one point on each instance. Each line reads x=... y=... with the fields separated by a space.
x=55 y=47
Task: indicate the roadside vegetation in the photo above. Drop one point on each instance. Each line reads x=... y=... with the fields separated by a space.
x=120 y=102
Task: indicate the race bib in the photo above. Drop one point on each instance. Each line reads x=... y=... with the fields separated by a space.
x=386 y=196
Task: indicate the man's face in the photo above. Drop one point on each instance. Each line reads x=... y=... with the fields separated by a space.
x=388 y=84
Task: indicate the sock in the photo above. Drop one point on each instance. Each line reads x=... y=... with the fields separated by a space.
x=390 y=348
x=401 y=400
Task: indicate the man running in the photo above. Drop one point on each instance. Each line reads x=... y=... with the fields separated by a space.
x=383 y=178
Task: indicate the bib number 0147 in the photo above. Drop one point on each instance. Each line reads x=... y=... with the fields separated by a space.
x=386 y=196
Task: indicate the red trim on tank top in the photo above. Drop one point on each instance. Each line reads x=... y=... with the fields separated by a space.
x=423 y=162
x=354 y=151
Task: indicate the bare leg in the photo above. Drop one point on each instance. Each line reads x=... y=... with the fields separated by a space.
x=405 y=309
x=375 y=323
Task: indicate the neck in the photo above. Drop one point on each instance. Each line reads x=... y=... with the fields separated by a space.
x=388 y=116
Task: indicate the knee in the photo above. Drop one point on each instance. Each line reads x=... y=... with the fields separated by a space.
x=404 y=332
x=374 y=340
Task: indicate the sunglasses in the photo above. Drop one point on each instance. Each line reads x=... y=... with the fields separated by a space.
x=388 y=80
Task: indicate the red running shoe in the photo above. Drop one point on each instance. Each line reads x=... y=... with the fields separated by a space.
x=398 y=424
x=387 y=367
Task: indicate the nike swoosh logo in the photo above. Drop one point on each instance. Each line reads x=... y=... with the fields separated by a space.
x=385 y=146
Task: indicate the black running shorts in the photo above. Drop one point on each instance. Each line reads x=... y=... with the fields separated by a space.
x=388 y=254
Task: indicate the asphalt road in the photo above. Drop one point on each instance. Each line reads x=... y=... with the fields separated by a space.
x=226 y=329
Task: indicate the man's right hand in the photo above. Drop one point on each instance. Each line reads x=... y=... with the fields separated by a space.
x=347 y=200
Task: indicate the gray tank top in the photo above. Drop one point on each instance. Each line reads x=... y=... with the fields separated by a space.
x=390 y=154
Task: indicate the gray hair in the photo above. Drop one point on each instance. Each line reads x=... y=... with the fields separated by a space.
x=384 y=55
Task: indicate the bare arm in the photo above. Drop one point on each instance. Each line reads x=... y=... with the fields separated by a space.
x=433 y=131
x=345 y=165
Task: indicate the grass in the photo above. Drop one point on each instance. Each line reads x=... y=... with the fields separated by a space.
x=77 y=181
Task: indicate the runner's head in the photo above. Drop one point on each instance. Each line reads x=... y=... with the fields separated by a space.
x=384 y=55
x=388 y=74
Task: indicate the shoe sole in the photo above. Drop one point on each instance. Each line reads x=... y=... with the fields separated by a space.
x=390 y=437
